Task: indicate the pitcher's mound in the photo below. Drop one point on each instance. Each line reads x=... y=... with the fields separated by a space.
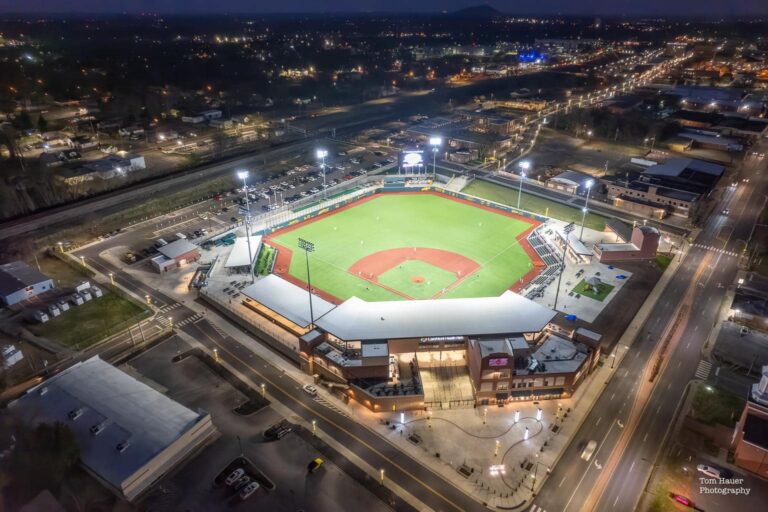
x=417 y=279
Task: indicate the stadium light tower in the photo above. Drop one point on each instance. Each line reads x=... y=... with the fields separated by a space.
x=321 y=154
x=243 y=175
x=584 y=210
x=308 y=247
x=567 y=231
x=435 y=142
x=525 y=165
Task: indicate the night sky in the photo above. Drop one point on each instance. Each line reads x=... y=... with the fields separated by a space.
x=693 y=8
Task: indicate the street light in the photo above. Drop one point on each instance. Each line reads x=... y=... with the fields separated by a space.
x=308 y=247
x=435 y=142
x=243 y=175
x=525 y=165
x=321 y=154
x=112 y=278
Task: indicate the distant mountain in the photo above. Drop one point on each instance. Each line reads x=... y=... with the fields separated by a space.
x=484 y=11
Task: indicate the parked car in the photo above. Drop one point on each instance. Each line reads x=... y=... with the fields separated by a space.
x=309 y=389
x=234 y=476
x=712 y=471
x=249 y=489
x=315 y=465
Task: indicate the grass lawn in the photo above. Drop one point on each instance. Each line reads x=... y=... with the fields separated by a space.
x=663 y=261
x=392 y=221
x=85 y=325
x=712 y=406
x=531 y=203
x=584 y=289
x=401 y=278
x=63 y=275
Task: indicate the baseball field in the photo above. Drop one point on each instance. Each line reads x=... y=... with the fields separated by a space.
x=409 y=246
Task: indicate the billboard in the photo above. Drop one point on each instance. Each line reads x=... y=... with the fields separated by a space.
x=411 y=160
x=499 y=361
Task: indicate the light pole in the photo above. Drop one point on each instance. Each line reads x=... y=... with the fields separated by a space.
x=321 y=154
x=435 y=142
x=524 y=166
x=566 y=230
x=584 y=210
x=308 y=247
x=243 y=175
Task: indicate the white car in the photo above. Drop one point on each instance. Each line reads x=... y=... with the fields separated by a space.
x=309 y=389
x=589 y=450
x=234 y=476
x=710 y=471
x=249 y=489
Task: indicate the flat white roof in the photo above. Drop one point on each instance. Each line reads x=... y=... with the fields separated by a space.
x=356 y=319
x=129 y=410
x=287 y=299
x=239 y=255
x=177 y=248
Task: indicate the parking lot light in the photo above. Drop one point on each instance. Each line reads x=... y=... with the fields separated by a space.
x=314 y=428
x=381 y=476
x=263 y=389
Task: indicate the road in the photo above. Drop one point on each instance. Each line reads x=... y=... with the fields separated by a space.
x=629 y=420
x=430 y=488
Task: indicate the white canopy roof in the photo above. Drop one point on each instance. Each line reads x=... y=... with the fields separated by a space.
x=287 y=299
x=239 y=255
x=356 y=319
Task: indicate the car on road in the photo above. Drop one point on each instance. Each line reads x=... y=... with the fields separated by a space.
x=233 y=219
x=309 y=389
x=726 y=211
x=589 y=450
x=712 y=471
x=234 y=476
x=315 y=465
x=249 y=489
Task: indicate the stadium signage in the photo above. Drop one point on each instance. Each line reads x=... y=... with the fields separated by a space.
x=500 y=361
x=441 y=338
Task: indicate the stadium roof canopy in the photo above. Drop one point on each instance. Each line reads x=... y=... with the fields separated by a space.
x=287 y=299
x=356 y=319
x=239 y=255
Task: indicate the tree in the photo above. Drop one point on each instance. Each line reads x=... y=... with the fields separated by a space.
x=41 y=458
x=42 y=124
x=23 y=120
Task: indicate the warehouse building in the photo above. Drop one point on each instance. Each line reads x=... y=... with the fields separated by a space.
x=129 y=434
x=19 y=282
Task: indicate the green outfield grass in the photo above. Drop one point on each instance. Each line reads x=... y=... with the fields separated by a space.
x=392 y=221
x=534 y=204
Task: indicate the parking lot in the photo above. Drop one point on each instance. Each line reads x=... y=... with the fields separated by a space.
x=197 y=485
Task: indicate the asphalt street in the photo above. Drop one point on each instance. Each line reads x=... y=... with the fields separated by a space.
x=572 y=481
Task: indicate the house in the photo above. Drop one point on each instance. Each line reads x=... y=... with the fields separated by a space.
x=175 y=255
x=641 y=246
x=130 y=435
x=572 y=182
x=19 y=282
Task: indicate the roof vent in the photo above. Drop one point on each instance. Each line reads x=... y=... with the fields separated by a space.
x=97 y=429
x=74 y=414
x=43 y=390
x=121 y=447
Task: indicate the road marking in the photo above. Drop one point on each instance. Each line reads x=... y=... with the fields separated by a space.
x=613 y=395
x=645 y=437
x=703 y=370
x=616 y=500
x=633 y=465
x=561 y=482
x=339 y=427
x=578 y=486
x=598 y=421
x=658 y=409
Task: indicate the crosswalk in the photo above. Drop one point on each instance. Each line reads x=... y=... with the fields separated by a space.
x=327 y=403
x=170 y=307
x=192 y=319
x=166 y=321
x=536 y=508
x=715 y=249
x=702 y=371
